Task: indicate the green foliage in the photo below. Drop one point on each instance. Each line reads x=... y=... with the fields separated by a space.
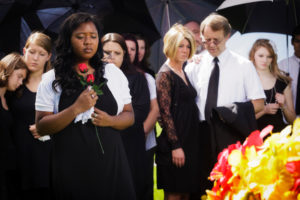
x=97 y=88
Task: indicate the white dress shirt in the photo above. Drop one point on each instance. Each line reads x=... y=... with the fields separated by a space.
x=291 y=65
x=238 y=80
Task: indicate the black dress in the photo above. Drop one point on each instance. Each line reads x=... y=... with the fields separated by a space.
x=7 y=151
x=277 y=119
x=33 y=155
x=179 y=115
x=79 y=168
x=134 y=136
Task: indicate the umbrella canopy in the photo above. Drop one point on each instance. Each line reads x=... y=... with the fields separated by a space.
x=52 y=18
x=5 y=6
x=25 y=16
x=21 y=18
x=131 y=17
x=230 y=3
x=165 y=13
x=279 y=16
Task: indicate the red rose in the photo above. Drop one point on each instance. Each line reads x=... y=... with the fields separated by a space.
x=83 y=68
x=90 y=78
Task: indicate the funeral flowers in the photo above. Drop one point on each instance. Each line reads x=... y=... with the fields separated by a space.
x=258 y=169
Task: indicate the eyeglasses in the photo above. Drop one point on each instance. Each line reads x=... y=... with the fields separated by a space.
x=214 y=41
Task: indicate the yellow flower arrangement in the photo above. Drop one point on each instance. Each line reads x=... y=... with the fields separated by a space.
x=259 y=170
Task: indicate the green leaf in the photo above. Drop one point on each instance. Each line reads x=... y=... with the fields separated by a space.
x=82 y=80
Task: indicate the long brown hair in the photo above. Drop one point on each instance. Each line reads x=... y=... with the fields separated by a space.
x=43 y=41
x=274 y=66
x=126 y=66
x=8 y=64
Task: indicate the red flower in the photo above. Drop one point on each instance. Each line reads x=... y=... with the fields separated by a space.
x=83 y=68
x=90 y=79
x=296 y=186
x=294 y=168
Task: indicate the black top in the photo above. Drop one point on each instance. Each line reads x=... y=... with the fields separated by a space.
x=7 y=149
x=79 y=168
x=277 y=119
x=33 y=155
x=134 y=136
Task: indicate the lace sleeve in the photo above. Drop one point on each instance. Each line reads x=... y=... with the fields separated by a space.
x=164 y=98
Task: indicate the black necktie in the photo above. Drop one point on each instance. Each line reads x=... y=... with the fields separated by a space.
x=298 y=94
x=212 y=91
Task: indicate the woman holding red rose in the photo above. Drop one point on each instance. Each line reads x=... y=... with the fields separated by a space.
x=80 y=169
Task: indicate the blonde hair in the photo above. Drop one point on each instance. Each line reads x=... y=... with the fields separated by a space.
x=8 y=64
x=216 y=22
x=174 y=36
x=274 y=66
x=43 y=41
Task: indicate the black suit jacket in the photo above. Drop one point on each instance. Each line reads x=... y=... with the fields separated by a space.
x=230 y=124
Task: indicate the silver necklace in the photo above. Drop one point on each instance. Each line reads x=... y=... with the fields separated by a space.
x=273 y=92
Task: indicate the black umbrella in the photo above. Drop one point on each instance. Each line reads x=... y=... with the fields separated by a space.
x=52 y=18
x=123 y=23
x=115 y=15
x=20 y=20
x=47 y=15
x=165 y=13
x=5 y=6
x=279 y=16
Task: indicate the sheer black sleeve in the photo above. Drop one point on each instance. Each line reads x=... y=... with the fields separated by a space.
x=164 y=98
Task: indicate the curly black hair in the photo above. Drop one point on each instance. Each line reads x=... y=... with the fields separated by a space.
x=64 y=61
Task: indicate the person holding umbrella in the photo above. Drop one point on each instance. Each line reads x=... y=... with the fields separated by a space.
x=291 y=66
x=221 y=78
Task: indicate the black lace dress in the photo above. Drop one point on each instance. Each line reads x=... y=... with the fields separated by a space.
x=277 y=119
x=79 y=168
x=179 y=114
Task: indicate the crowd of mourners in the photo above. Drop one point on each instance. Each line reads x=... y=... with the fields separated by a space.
x=81 y=123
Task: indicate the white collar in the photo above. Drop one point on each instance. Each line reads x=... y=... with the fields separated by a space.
x=221 y=57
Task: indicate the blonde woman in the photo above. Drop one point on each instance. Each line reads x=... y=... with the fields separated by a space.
x=177 y=152
x=276 y=84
